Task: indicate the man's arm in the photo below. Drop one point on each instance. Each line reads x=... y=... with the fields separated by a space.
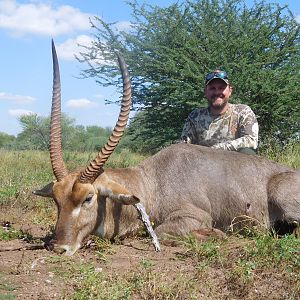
x=188 y=132
x=247 y=133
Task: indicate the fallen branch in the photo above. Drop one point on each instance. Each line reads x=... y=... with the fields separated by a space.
x=146 y=221
x=23 y=247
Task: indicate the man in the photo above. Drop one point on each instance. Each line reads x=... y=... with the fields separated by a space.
x=221 y=125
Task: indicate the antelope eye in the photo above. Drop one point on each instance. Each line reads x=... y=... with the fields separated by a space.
x=88 y=199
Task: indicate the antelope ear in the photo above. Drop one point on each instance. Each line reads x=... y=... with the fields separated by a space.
x=117 y=192
x=46 y=191
x=124 y=198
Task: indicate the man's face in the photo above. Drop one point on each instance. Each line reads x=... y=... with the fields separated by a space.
x=218 y=93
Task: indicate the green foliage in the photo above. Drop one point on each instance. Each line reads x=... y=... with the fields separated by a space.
x=102 y=247
x=169 y=50
x=22 y=172
x=36 y=134
x=146 y=263
x=243 y=258
x=5 y=139
x=12 y=234
x=125 y=158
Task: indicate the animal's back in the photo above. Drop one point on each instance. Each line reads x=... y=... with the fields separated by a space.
x=222 y=183
x=184 y=166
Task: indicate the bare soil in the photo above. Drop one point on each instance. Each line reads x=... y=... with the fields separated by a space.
x=35 y=274
x=40 y=274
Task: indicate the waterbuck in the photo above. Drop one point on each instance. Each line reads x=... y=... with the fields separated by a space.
x=184 y=188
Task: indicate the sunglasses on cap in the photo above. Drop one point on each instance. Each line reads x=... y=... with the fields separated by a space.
x=214 y=75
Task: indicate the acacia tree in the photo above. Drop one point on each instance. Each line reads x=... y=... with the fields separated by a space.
x=36 y=134
x=169 y=51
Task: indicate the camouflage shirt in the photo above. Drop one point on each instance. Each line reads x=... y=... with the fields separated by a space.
x=236 y=128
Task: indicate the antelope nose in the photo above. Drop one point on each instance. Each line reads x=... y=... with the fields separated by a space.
x=53 y=246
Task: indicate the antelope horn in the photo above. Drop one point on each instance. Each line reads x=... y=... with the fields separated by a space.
x=56 y=156
x=94 y=169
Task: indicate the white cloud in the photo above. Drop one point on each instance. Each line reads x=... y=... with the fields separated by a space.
x=99 y=96
x=20 y=112
x=40 y=18
x=70 y=47
x=16 y=98
x=81 y=103
x=298 y=19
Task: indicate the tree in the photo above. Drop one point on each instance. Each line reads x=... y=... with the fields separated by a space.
x=36 y=134
x=169 y=51
x=6 y=139
x=36 y=131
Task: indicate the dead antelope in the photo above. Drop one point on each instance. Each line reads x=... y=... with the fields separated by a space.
x=184 y=188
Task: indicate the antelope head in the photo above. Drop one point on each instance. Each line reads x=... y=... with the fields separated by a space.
x=77 y=194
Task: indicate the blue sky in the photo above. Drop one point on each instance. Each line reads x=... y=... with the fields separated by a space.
x=26 y=29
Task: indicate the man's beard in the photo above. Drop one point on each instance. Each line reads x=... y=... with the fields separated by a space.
x=216 y=104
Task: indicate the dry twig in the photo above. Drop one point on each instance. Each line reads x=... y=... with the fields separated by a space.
x=23 y=247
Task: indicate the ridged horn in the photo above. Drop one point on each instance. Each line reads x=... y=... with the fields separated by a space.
x=56 y=155
x=94 y=169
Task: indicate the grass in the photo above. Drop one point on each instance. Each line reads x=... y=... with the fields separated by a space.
x=7 y=297
x=6 y=289
x=102 y=247
x=241 y=264
x=244 y=259
x=289 y=155
x=11 y=234
x=141 y=283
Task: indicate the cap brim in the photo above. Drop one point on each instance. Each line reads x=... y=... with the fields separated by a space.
x=214 y=78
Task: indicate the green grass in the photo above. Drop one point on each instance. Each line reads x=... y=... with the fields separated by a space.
x=7 y=297
x=11 y=234
x=22 y=172
x=239 y=261
x=123 y=159
x=102 y=247
x=141 y=283
x=289 y=155
x=244 y=257
x=6 y=288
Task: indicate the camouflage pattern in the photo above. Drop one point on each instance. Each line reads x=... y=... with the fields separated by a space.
x=235 y=129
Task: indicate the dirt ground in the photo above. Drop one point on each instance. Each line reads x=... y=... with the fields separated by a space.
x=40 y=274
x=35 y=274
